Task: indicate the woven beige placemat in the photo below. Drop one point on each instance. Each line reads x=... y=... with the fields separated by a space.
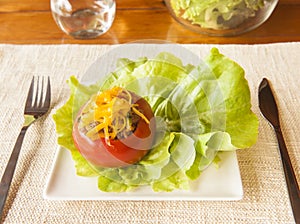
x=265 y=196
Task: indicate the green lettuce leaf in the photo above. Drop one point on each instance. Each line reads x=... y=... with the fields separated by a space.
x=201 y=110
x=64 y=118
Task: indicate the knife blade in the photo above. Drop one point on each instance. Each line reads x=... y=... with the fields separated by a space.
x=269 y=110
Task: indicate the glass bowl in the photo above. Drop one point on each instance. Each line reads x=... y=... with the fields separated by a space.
x=221 y=17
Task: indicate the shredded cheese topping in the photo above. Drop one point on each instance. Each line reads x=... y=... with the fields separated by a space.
x=109 y=114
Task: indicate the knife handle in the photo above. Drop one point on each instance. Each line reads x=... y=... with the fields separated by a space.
x=291 y=181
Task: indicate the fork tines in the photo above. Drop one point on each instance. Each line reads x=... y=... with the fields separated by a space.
x=39 y=94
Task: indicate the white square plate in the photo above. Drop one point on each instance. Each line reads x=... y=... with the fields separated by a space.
x=214 y=184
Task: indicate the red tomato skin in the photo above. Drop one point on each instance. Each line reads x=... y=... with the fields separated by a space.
x=119 y=153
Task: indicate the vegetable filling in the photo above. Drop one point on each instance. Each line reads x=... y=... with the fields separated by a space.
x=112 y=114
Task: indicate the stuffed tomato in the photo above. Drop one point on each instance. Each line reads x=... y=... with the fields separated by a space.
x=115 y=128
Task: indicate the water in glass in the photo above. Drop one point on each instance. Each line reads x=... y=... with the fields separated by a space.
x=84 y=19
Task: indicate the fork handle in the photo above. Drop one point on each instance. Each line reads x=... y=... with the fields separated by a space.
x=10 y=169
x=291 y=181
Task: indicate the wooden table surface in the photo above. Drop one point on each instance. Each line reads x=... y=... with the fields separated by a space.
x=31 y=22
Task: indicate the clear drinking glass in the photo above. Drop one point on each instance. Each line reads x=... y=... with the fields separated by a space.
x=84 y=19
